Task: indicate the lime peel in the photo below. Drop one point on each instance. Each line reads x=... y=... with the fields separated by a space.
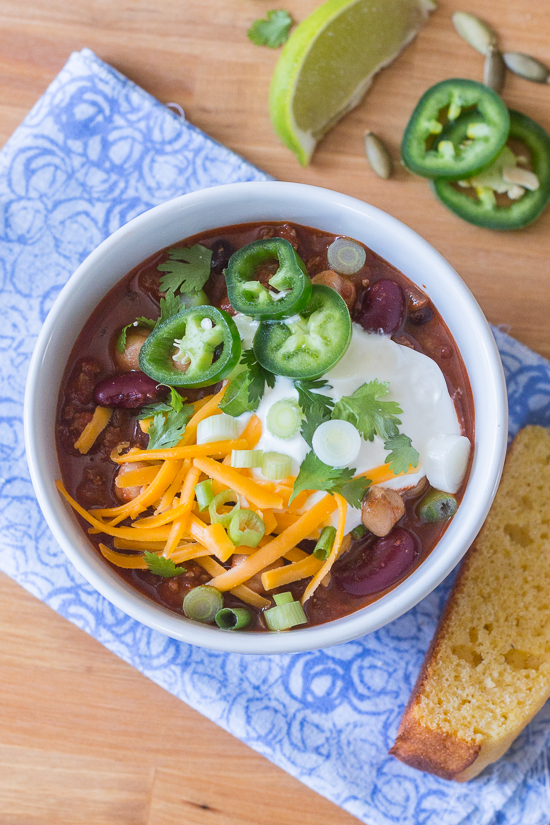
x=329 y=62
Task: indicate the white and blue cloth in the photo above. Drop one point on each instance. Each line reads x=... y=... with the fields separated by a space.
x=94 y=152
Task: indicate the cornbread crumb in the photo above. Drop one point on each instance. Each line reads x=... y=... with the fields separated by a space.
x=487 y=672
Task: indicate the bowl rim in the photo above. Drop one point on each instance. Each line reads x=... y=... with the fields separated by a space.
x=457 y=538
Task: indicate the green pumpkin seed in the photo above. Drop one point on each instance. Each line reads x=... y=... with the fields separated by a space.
x=527 y=67
x=378 y=156
x=494 y=70
x=478 y=34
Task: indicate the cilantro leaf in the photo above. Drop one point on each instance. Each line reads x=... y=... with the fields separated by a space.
x=169 y=306
x=187 y=270
x=257 y=377
x=175 y=403
x=168 y=428
x=272 y=32
x=139 y=322
x=153 y=409
x=368 y=413
x=354 y=490
x=161 y=566
x=315 y=406
x=401 y=454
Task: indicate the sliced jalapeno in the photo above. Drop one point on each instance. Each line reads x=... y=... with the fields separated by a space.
x=249 y=296
x=195 y=348
x=477 y=203
x=312 y=344
x=426 y=154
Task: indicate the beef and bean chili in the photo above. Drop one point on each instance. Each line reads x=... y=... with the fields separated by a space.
x=265 y=426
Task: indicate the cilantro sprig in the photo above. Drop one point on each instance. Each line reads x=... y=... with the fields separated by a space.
x=169 y=421
x=315 y=406
x=314 y=474
x=273 y=31
x=257 y=377
x=187 y=270
x=366 y=411
x=161 y=566
x=401 y=454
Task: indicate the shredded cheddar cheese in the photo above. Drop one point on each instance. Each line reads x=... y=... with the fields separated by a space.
x=93 y=429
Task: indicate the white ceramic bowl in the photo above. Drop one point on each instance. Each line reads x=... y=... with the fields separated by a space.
x=242 y=203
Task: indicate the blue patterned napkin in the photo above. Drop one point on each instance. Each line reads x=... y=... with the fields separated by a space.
x=94 y=152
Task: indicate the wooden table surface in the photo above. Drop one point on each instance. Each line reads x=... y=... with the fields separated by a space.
x=84 y=738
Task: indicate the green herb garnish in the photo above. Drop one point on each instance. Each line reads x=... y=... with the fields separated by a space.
x=168 y=428
x=257 y=377
x=161 y=566
x=187 y=270
x=314 y=474
x=316 y=408
x=139 y=322
x=368 y=413
x=273 y=31
x=401 y=454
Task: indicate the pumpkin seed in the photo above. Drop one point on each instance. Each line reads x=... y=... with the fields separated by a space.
x=494 y=70
x=475 y=32
x=378 y=156
x=527 y=67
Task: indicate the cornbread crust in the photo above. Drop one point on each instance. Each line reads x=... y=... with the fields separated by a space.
x=487 y=672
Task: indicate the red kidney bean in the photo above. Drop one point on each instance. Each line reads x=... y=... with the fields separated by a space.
x=129 y=390
x=221 y=253
x=383 y=307
x=380 y=565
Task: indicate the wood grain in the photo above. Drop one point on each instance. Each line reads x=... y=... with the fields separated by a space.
x=84 y=737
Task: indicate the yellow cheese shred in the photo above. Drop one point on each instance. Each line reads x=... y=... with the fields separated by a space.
x=245 y=594
x=277 y=547
x=246 y=487
x=93 y=429
x=291 y=573
x=339 y=537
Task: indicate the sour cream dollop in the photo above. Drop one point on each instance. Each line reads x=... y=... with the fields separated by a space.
x=416 y=383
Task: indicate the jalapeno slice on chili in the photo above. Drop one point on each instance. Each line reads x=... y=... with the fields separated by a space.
x=248 y=295
x=195 y=348
x=312 y=343
x=476 y=199
x=427 y=155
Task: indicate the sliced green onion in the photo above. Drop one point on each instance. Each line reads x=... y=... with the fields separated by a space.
x=233 y=618
x=246 y=527
x=276 y=465
x=283 y=598
x=336 y=442
x=203 y=603
x=346 y=257
x=284 y=418
x=220 y=500
x=285 y=616
x=437 y=506
x=204 y=493
x=217 y=428
x=246 y=459
x=358 y=532
x=324 y=545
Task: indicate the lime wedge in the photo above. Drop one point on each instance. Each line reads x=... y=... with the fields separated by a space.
x=329 y=61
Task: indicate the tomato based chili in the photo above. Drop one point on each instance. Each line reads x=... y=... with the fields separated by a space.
x=378 y=297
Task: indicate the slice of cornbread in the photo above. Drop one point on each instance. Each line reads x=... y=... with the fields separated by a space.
x=487 y=672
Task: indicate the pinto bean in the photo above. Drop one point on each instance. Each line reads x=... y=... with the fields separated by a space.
x=129 y=390
x=129 y=359
x=128 y=493
x=343 y=286
x=381 y=510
